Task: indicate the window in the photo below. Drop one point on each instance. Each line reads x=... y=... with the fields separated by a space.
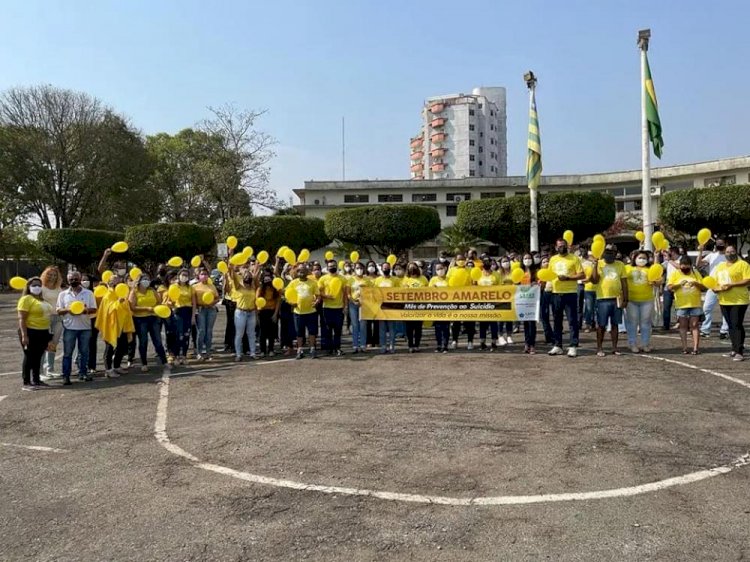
x=451 y=210
x=492 y=127
x=471 y=173
x=390 y=198
x=458 y=197
x=723 y=180
x=492 y=168
x=620 y=206
x=471 y=127
x=471 y=112
x=480 y=162
x=481 y=149
x=471 y=157
x=471 y=143
x=354 y=198
x=481 y=134
x=488 y=195
x=633 y=190
x=492 y=113
x=423 y=197
x=480 y=106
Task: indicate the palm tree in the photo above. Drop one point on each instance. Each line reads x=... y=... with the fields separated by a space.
x=457 y=241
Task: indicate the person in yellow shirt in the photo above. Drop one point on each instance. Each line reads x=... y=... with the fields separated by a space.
x=305 y=314
x=354 y=294
x=569 y=271
x=184 y=308
x=505 y=329
x=610 y=279
x=413 y=280
x=206 y=313
x=489 y=278
x=638 y=316
x=34 y=321
x=333 y=293
x=143 y=298
x=687 y=284
x=268 y=316
x=386 y=327
x=468 y=327
x=589 y=295
x=733 y=278
x=442 y=328
x=115 y=324
x=243 y=288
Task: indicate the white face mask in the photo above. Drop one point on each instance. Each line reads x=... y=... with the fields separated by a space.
x=184 y=278
x=359 y=271
x=641 y=261
x=121 y=272
x=145 y=283
x=527 y=262
x=86 y=284
x=537 y=260
x=371 y=269
x=35 y=290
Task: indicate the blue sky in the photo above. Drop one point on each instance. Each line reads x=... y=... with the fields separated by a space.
x=162 y=63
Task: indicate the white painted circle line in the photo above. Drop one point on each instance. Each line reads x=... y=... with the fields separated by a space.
x=34 y=448
x=160 y=432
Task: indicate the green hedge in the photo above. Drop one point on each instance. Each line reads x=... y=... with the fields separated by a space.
x=81 y=247
x=724 y=210
x=386 y=228
x=271 y=233
x=507 y=221
x=156 y=243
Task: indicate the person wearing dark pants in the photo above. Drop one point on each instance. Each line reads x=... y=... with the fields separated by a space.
x=545 y=308
x=667 y=303
x=469 y=328
x=733 y=280
x=492 y=327
x=442 y=335
x=735 y=316
x=93 y=346
x=229 y=307
x=268 y=313
x=335 y=296
x=34 y=321
x=288 y=333
x=114 y=354
x=413 y=328
x=413 y=334
x=569 y=271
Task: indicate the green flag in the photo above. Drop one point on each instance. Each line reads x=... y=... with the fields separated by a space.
x=652 y=113
x=534 y=148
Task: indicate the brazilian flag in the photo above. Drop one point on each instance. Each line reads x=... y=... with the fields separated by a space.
x=652 y=114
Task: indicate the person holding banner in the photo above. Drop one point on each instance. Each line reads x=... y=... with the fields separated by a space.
x=610 y=280
x=459 y=276
x=488 y=278
x=442 y=329
x=359 y=327
x=335 y=299
x=505 y=336
x=529 y=327
x=387 y=327
x=569 y=270
x=686 y=284
x=413 y=328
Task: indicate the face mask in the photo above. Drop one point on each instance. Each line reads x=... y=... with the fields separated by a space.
x=184 y=278
x=609 y=258
x=562 y=250
x=372 y=269
x=35 y=290
x=537 y=260
x=720 y=247
x=359 y=272
x=505 y=264
x=685 y=268
x=267 y=280
x=86 y=284
x=527 y=262
x=75 y=283
x=302 y=276
x=641 y=261
x=332 y=270
x=399 y=273
x=461 y=263
x=732 y=257
x=386 y=272
x=121 y=272
x=347 y=269
x=145 y=283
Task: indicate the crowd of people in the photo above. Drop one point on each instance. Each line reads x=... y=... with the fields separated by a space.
x=175 y=309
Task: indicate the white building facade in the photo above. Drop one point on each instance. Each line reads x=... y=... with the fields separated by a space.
x=462 y=136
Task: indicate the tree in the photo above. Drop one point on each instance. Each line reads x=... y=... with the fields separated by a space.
x=270 y=233
x=385 y=229
x=68 y=159
x=82 y=247
x=253 y=148
x=457 y=240
x=150 y=244
x=725 y=210
x=507 y=221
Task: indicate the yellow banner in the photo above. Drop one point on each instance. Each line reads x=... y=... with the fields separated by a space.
x=501 y=303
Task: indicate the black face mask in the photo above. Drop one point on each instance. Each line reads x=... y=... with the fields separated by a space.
x=386 y=272
x=731 y=257
x=75 y=283
x=562 y=250
x=685 y=268
x=609 y=258
x=332 y=270
x=720 y=247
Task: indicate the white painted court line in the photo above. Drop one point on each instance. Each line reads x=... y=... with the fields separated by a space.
x=160 y=432
x=696 y=368
x=3 y=397
x=34 y=448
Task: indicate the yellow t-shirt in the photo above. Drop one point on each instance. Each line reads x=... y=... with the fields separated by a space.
x=686 y=294
x=610 y=279
x=39 y=311
x=148 y=299
x=438 y=282
x=243 y=297
x=492 y=279
x=414 y=282
x=588 y=269
x=324 y=284
x=732 y=273
x=567 y=265
x=639 y=289
x=186 y=297
x=201 y=289
x=383 y=281
x=356 y=284
x=306 y=293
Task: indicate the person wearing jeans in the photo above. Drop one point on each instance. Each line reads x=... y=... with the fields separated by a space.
x=143 y=298
x=359 y=327
x=733 y=280
x=268 y=314
x=245 y=320
x=206 y=297
x=386 y=328
x=640 y=309
x=76 y=326
x=569 y=271
x=243 y=287
x=711 y=262
x=442 y=328
x=413 y=280
x=182 y=298
x=51 y=282
x=335 y=300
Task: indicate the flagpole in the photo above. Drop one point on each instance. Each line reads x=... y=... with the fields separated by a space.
x=534 y=229
x=648 y=225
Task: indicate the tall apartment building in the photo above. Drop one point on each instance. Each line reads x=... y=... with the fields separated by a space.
x=462 y=136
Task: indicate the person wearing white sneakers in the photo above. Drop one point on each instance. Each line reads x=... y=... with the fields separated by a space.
x=569 y=270
x=505 y=336
x=610 y=280
x=733 y=278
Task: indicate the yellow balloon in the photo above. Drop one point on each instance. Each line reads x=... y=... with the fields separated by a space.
x=222 y=267
x=260 y=302
x=291 y=295
x=599 y=237
x=232 y=242
x=640 y=236
x=664 y=245
x=517 y=275
x=515 y=265
x=354 y=256
x=174 y=292
x=18 y=283
x=196 y=261
x=122 y=290
x=568 y=237
x=391 y=259
x=290 y=257
x=120 y=247
x=304 y=255
x=597 y=249
x=100 y=291
x=335 y=285
x=547 y=275
x=709 y=282
x=281 y=251
x=262 y=257
x=238 y=259
x=175 y=261
x=208 y=298
x=704 y=235
x=248 y=251
x=77 y=307
x=278 y=283
x=135 y=273
x=657 y=238
x=329 y=255
x=655 y=272
x=476 y=273
x=162 y=311
x=341 y=264
x=459 y=278
x=106 y=276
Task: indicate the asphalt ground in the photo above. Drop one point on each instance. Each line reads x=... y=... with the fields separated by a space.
x=464 y=456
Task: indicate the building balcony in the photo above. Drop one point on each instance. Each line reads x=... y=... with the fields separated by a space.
x=418 y=167
x=437 y=108
x=437 y=152
x=417 y=155
x=438 y=137
x=416 y=142
x=437 y=167
x=436 y=123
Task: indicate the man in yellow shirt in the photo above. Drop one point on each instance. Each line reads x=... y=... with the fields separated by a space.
x=733 y=278
x=305 y=314
x=610 y=280
x=569 y=270
x=387 y=328
x=332 y=291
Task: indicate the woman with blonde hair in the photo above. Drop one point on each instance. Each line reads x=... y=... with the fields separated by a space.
x=51 y=289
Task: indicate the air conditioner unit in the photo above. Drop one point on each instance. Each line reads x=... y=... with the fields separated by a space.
x=317 y=202
x=457 y=198
x=655 y=190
